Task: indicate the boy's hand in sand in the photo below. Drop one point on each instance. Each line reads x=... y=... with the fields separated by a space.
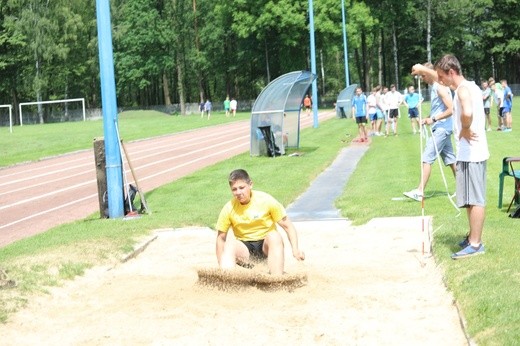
x=299 y=255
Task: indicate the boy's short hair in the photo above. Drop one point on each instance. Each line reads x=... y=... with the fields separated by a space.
x=239 y=174
x=448 y=62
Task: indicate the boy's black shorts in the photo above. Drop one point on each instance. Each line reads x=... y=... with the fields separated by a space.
x=255 y=249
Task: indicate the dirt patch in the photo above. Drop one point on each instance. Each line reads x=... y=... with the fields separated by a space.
x=365 y=285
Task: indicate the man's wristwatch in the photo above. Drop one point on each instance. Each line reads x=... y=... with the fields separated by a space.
x=434 y=120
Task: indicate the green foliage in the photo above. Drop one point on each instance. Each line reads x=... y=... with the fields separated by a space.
x=139 y=46
x=183 y=51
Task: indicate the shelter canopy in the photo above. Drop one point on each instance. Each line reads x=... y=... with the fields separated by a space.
x=275 y=117
x=344 y=101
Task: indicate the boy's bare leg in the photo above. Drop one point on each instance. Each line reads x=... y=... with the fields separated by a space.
x=273 y=247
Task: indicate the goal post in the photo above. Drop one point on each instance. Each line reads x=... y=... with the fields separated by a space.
x=82 y=100
x=10 y=116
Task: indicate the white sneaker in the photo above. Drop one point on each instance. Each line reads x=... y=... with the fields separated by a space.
x=414 y=194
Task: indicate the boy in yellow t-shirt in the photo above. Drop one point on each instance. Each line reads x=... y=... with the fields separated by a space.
x=253 y=215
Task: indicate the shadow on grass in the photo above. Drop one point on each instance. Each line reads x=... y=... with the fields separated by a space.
x=305 y=150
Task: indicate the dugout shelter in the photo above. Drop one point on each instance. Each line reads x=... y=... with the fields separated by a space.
x=344 y=101
x=275 y=116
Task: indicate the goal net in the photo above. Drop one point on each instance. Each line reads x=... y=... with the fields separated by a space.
x=54 y=111
x=6 y=116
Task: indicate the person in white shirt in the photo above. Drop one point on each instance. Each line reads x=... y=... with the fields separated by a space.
x=381 y=109
x=486 y=98
x=372 y=111
x=469 y=128
x=233 y=105
x=393 y=99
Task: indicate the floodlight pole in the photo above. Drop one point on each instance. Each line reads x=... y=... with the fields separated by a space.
x=109 y=104
x=345 y=53
x=313 y=66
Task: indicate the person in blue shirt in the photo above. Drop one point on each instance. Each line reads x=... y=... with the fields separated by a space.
x=207 y=108
x=412 y=100
x=360 y=114
x=507 y=105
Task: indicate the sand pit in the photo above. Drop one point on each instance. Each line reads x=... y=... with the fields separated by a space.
x=358 y=291
x=243 y=278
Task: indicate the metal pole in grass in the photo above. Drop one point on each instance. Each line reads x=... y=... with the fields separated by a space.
x=421 y=128
x=345 y=51
x=108 y=99
x=313 y=66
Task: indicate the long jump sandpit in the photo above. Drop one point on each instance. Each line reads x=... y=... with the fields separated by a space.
x=364 y=285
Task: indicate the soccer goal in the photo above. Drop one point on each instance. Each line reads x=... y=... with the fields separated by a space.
x=10 y=116
x=63 y=109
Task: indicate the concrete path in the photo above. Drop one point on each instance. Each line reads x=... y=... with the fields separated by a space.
x=317 y=203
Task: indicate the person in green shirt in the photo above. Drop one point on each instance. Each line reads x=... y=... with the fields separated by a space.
x=227 y=106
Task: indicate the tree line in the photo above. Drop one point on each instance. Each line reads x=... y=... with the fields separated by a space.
x=179 y=51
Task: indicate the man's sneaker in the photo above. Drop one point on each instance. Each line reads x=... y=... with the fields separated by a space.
x=464 y=243
x=414 y=194
x=469 y=251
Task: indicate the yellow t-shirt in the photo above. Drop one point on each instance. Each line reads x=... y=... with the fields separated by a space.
x=254 y=220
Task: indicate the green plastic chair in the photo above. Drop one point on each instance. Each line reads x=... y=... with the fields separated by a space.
x=508 y=171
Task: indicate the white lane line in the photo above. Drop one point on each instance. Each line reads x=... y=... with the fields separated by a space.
x=90 y=171
x=45 y=167
x=92 y=181
x=46 y=182
x=95 y=195
x=186 y=164
x=152 y=148
x=155 y=152
x=49 y=210
x=48 y=165
x=45 y=195
x=190 y=153
x=241 y=126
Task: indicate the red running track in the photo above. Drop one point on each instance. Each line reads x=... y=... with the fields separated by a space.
x=35 y=197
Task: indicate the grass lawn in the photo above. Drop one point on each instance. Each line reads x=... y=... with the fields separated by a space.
x=486 y=287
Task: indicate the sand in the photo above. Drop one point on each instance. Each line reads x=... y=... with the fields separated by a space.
x=365 y=285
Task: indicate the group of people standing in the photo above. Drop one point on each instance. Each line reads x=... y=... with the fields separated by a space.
x=501 y=95
x=462 y=113
x=382 y=105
